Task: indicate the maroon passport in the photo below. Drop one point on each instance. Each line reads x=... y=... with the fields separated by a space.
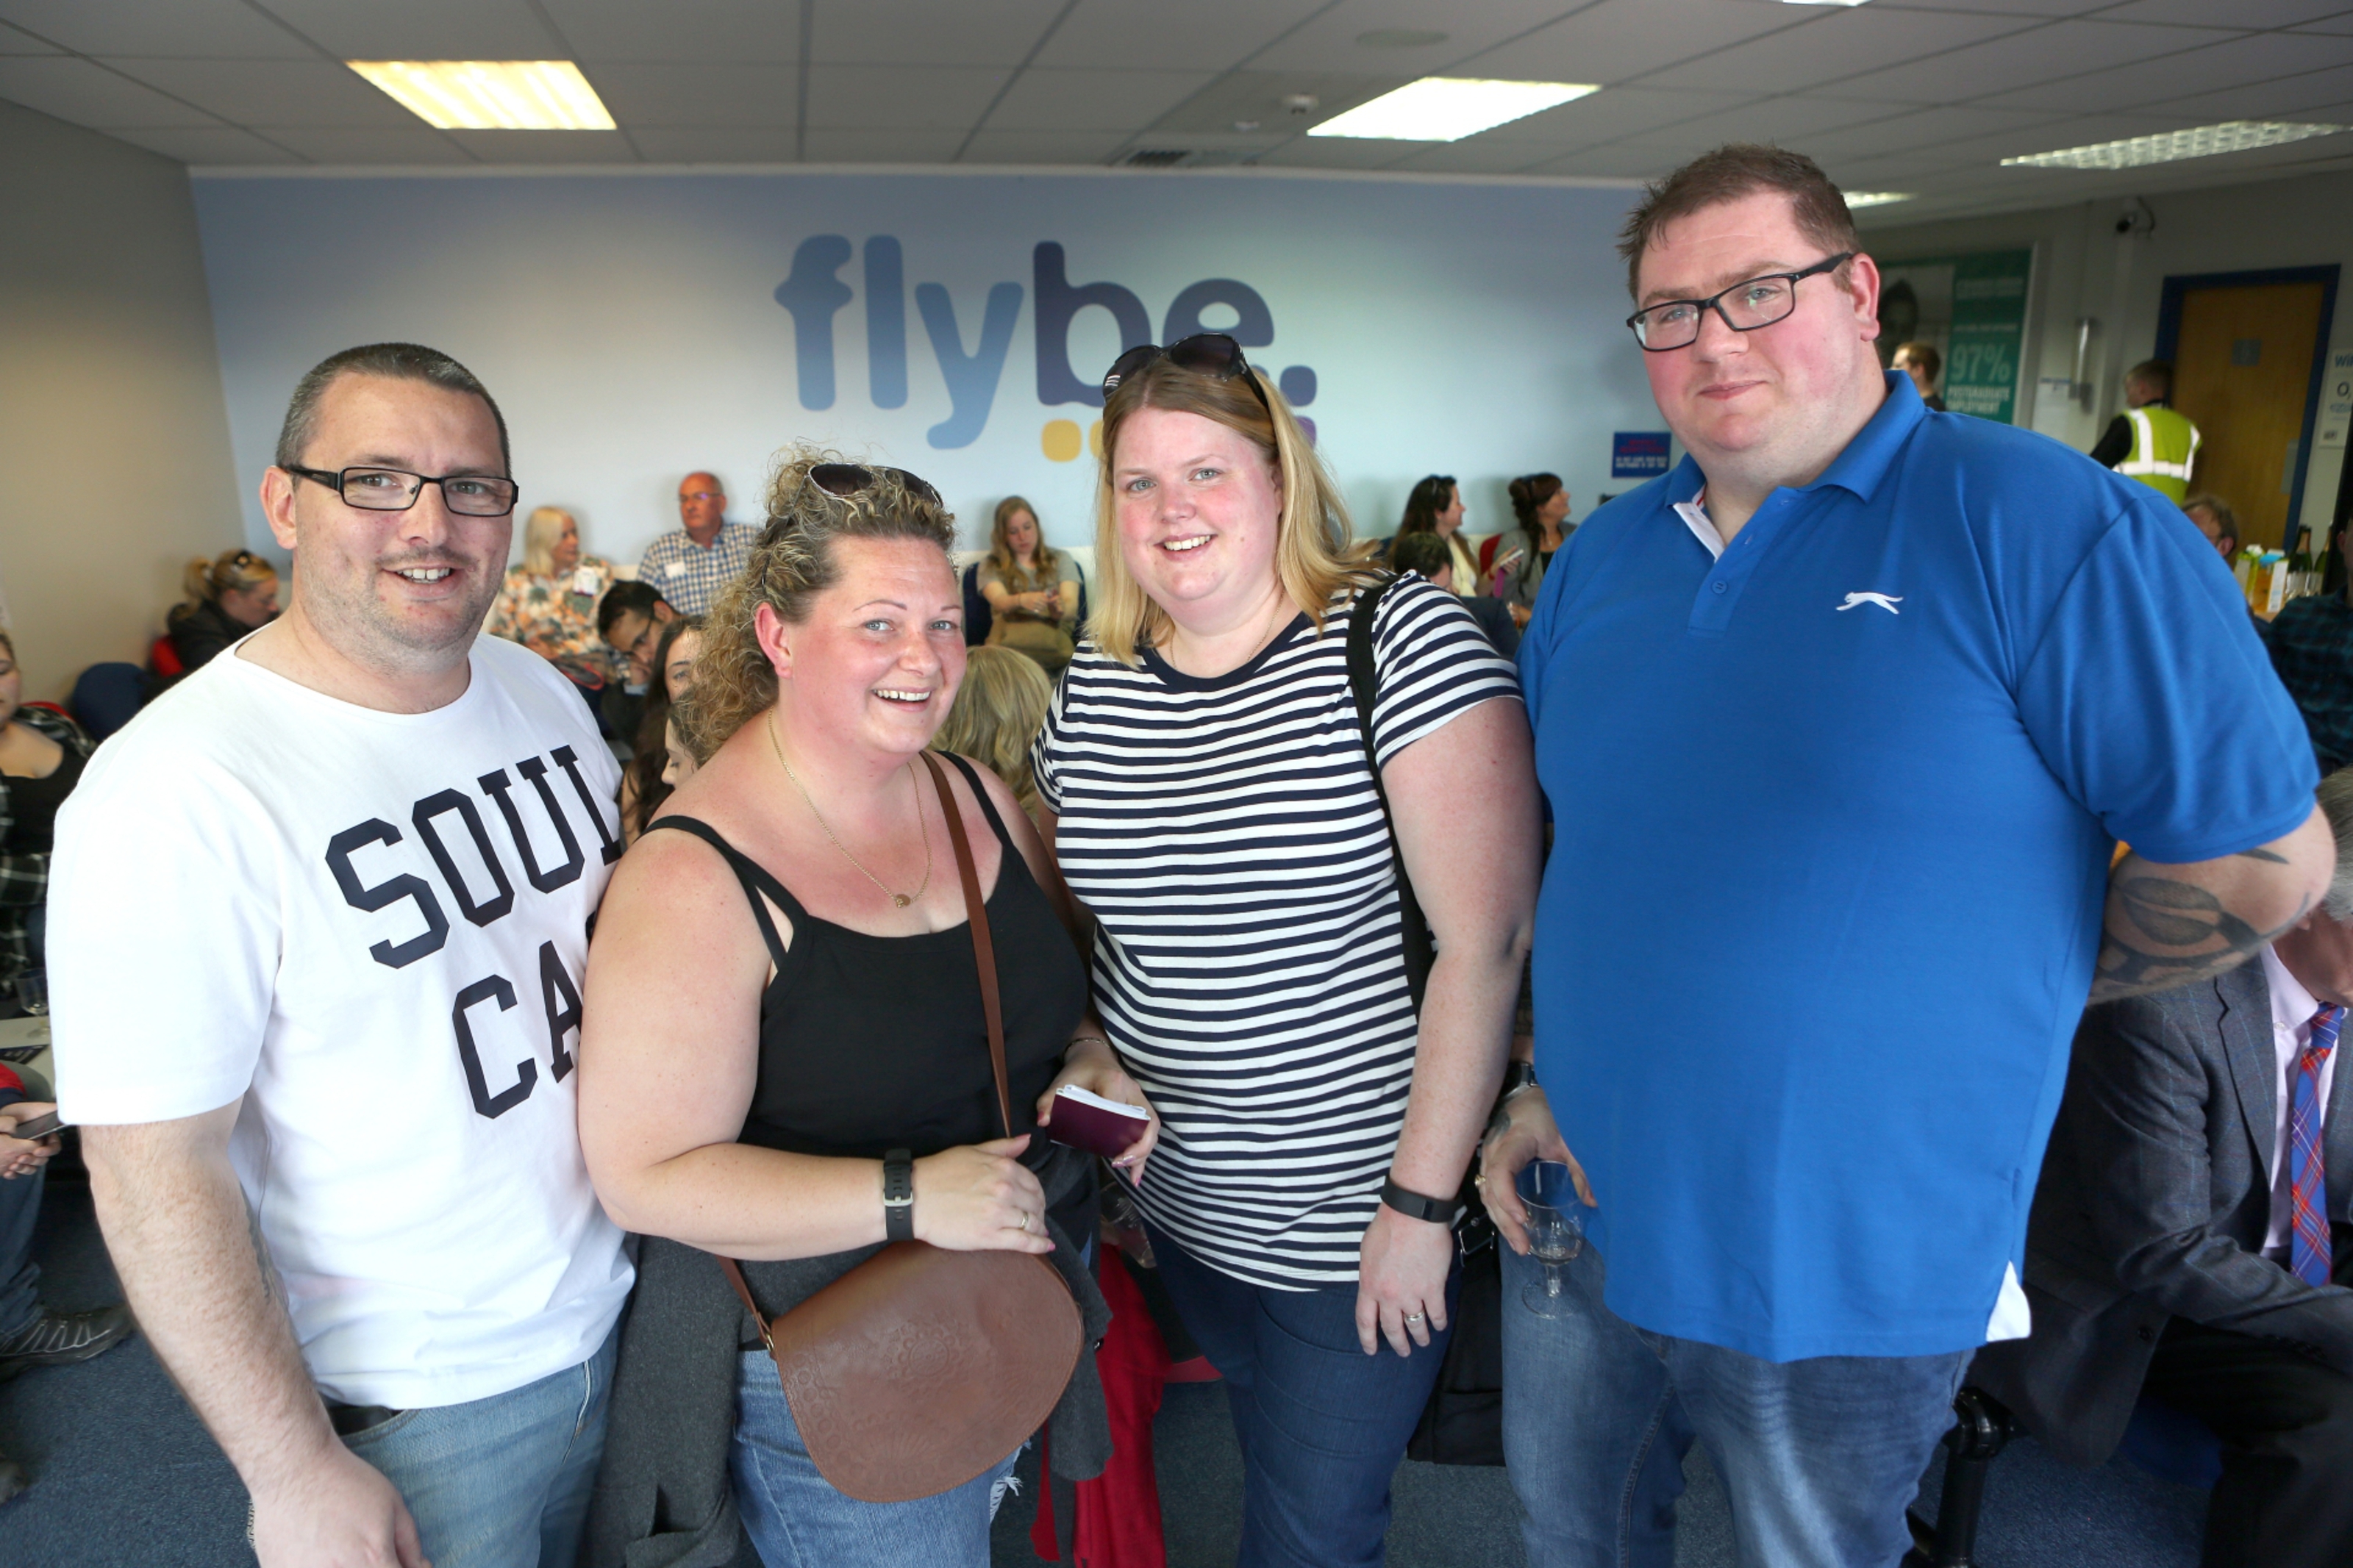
x=1087 y=1120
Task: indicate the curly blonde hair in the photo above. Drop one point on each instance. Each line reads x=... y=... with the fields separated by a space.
x=793 y=564
x=1316 y=555
x=998 y=711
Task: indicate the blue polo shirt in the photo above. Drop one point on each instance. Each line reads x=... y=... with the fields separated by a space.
x=1833 y=817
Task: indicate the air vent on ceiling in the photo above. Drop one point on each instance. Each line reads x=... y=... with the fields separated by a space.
x=1184 y=157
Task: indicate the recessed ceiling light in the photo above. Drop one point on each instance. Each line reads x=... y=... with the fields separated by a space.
x=1874 y=198
x=490 y=95
x=2202 y=141
x=1447 y=108
x=1399 y=38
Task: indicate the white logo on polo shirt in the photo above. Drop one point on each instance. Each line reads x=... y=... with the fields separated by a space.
x=1883 y=600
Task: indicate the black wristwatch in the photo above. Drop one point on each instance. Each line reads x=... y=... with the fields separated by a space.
x=1415 y=1205
x=1517 y=1076
x=898 y=1195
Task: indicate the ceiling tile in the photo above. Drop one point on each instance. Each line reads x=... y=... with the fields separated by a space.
x=1615 y=113
x=995 y=146
x=2333 y=25
x=2009 y=7
x=883 y=146
x=410 y=143
x=703 y=94
x=1339 y=153
x=2253 y=60
x=716 y=143
x=273 y=92
x=1838 y=43
x=421 y=29
x=1476 y=155
x=930 y=32
x=915 y=98
x=679 y=31
x=208 y=144
x=1618 y=39
x=1328 y=41
x=1782 y=121
x=2081 y=132
x=2040 y=54
x=2306 y=96
x=87 y=94
x=1092 y=99
x=1936 y=128
x=1197 y=35
x=1258 y=96
x=1608 y=162
x=2237 y=13
x=187 y=29
x=546 y=146
x=17 y=41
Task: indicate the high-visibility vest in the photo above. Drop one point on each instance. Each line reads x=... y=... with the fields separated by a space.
x=2164 y=447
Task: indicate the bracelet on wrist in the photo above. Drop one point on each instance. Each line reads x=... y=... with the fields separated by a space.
x=898 y=1195
x=1420 y=1205
x=1083 y=1039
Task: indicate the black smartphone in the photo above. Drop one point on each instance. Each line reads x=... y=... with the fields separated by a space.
x=37 y=1128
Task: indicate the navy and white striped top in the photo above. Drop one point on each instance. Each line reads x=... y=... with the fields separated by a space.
x=1248 y=966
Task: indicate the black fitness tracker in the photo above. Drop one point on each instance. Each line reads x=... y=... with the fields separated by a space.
x=898 y=1195
x=1517 y=1076
x=1415 y=1205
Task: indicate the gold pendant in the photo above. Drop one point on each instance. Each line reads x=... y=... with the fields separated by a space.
x=901 y=899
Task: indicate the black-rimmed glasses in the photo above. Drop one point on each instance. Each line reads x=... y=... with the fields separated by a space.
x=1215 y=354
x=1743 y=307
x=397 y=490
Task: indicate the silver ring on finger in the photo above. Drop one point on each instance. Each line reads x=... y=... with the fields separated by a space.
x=1414 y=1317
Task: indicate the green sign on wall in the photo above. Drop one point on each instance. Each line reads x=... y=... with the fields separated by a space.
x=1973 y=308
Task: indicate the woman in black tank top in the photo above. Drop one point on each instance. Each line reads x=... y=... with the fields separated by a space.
x=783 y=990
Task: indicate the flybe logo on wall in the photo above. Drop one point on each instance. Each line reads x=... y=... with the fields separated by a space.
x=815 y=294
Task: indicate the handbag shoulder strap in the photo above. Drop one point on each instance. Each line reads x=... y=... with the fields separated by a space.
x=1363 y=684
x=984 y=951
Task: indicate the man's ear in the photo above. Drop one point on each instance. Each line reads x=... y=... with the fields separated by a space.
x=774 y=636
x=277 y=505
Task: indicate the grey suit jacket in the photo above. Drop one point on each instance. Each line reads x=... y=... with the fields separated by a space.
x=2153 y=1203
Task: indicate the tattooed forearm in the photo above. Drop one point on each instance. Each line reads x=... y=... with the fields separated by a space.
x=2162 y=932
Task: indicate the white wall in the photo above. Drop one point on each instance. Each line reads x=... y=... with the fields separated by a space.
x=114 y=462
x=2084 y=268
x=630 y=329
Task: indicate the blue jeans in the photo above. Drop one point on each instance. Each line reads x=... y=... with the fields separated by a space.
x=1818 y=1456
x=1321 y=1425
x=20 y=1277
x=797 y=1519
x=501 y=1482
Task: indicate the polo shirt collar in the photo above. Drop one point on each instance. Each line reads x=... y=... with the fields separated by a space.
x=1859 y=468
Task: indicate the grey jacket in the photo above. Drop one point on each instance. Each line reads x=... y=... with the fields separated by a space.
x=2154 y=1201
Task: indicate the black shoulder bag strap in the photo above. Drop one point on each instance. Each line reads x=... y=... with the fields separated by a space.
x=1364 y=682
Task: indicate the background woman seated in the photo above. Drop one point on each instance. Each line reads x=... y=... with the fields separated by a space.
x=548 y=602
x=1032 y=589
x=227 y=598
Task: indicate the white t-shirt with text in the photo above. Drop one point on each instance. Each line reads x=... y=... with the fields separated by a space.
x=372 y=926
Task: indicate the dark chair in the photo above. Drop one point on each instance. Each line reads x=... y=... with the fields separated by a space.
x=106 y=696
x=978 y=619
x=2167 y=1443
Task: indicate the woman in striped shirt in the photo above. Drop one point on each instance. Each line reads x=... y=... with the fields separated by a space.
x=1207 y=795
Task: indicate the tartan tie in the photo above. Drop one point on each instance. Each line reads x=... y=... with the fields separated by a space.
x=2308 y=1242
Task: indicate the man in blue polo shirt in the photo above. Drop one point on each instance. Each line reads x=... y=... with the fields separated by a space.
x=1839 y=722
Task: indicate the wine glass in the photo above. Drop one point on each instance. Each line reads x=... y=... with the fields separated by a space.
x=1556 y=1234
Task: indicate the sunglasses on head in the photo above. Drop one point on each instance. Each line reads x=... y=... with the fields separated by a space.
x=1213 y=354
x=846 y=479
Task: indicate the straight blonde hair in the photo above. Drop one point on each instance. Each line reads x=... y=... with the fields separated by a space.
x=1316 y=556
x=540 y=532
x=998 y=711
x=1000 y=549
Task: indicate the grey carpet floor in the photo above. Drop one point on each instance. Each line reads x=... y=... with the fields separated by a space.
x=125 y=1477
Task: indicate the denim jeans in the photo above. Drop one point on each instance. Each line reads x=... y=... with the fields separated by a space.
x=797 y=1519
x=1321 y=1425
x=1818 y=1456
x=20 y=1277
x=501 y=1482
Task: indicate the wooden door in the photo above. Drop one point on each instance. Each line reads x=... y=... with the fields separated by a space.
x=2241 y=372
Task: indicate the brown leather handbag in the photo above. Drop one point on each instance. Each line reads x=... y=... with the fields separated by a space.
x=919 y=1369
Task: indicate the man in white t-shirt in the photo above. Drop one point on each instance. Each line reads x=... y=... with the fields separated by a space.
x=316 y=927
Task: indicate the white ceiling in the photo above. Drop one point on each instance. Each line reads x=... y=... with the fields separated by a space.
x=1924 y=96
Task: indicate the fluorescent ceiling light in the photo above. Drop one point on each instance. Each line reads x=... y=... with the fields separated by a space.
x=2202 y=141
x=1824 y=3
x=1869 y=198
x=1449 y=108
x=490 y=95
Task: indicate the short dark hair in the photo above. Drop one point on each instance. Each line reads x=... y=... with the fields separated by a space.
x=1424 y=552
x=2154 y=373
x=626 y=599
x=1925 y=355
x=2226 y=522
x=1740 y=169
x=398 y=361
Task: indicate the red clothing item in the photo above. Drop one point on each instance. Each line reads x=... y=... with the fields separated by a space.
x=1119 y=1511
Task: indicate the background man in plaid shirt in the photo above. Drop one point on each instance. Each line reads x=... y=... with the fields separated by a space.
x=689 y=566
x=2312 y=647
